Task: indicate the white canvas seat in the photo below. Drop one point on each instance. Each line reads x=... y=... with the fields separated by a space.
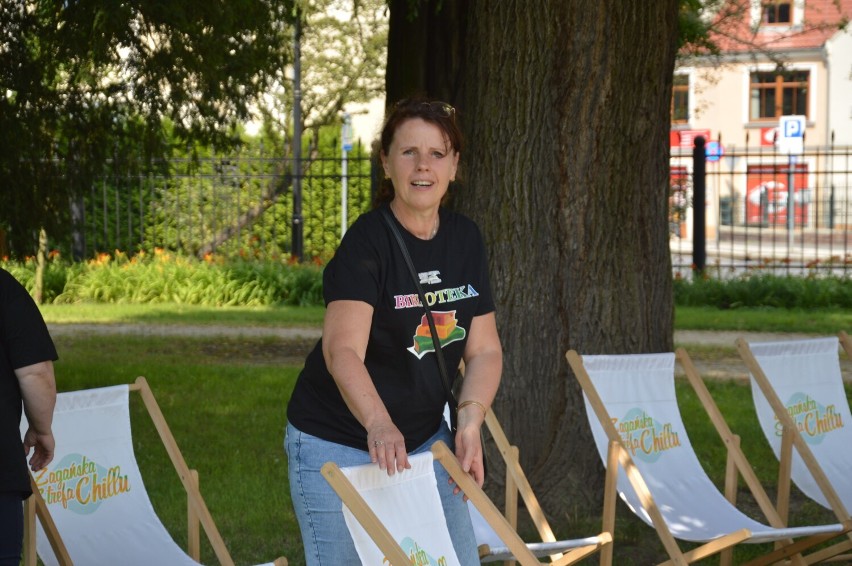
x=798 y=394
x=405 y=502
x=636 y=423
x=378 y=510
x=95 y=495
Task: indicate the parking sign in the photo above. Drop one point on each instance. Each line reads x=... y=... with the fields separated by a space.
x=791 y=134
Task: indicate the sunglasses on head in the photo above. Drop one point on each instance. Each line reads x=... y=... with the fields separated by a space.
x=442 y=108
x=437 y=107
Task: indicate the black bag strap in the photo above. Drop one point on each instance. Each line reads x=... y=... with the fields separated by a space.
x=439 y=353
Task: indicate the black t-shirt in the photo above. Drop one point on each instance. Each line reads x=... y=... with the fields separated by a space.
x=24 y=340
x=368 y=266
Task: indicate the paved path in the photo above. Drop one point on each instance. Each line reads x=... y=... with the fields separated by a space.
x=731 y=366
x=727 y=338
x=681 y=337
x=200 y=331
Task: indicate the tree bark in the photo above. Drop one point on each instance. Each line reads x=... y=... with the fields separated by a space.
x=565 y=109
x=425 y=48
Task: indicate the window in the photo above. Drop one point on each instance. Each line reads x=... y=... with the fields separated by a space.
x=777 y=12
x=680 y=99
x=775 y=94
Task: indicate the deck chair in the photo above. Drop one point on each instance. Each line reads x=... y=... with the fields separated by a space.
x=492 y=549
x=391 y=517
x=801 y=404
x=635 y=420
x=92 y=496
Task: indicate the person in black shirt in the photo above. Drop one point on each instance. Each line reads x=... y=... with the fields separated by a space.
x=26 y=376
x=371 y=390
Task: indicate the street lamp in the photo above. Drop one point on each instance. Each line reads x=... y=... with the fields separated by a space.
x=346 y=146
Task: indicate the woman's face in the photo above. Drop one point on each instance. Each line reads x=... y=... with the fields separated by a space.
x=420 y=164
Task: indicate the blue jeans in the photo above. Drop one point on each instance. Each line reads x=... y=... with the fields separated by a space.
x=11 y=528
x=318 y=508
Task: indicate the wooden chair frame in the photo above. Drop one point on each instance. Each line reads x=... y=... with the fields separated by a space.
x=737 y=462
x=36 y=507
x=518 y=484
x=197 y=511
x=792 y=439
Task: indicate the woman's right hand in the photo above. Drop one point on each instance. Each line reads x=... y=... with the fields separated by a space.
x=386 y=446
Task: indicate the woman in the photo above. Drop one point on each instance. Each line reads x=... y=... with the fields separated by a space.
x=371 y=390
x=27 y=382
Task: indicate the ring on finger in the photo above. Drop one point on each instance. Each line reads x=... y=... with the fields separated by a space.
x=378 y=443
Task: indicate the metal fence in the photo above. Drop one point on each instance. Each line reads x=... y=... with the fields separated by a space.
x=763 y=210
x=230 y=205
x=243 y=205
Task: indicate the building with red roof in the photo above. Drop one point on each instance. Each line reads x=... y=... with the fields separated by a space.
x=776 y=57
x=777 y=62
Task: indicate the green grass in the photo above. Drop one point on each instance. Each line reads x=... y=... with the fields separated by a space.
x=767 y=319
x=822 y=321
x=225 y=401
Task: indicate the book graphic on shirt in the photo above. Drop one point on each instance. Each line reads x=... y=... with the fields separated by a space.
x=447 y=328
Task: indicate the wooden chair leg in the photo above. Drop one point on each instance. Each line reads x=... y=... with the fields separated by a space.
x=785 y=475
x=193 y=529
x=511 y=497
x=30 y=554
x=38 y=510
x=731 y=473
x=610 y=498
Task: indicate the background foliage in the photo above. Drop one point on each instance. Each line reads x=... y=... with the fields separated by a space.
x=163 y=277
x=93 y=89
x=85 y=80
x=241 y=205
x=166 y=277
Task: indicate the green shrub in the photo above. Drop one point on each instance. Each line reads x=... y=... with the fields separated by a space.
x=163 y=277
x=296 y=285
x=763 y=290
x=56 y=274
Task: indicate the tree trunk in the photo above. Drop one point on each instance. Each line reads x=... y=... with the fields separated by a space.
x=425 y=48
x=41 y=260
x=565 y=109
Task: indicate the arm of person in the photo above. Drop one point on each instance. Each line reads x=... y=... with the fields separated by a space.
x=38 y=390
x=483 y=358
x=346 y=330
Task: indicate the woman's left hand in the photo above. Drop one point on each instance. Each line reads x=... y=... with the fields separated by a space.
x=483 y=357
x=469 y=453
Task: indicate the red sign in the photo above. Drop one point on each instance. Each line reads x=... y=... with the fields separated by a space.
x=767 y=136
x=766 y=194
x=685 y=139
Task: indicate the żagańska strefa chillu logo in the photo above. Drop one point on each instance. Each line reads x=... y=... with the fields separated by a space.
x=645 y=437
x=79 y=484
x=813 y=419
x=417 y=555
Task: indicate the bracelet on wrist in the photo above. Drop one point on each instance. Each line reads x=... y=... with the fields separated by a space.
x=469 y=402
